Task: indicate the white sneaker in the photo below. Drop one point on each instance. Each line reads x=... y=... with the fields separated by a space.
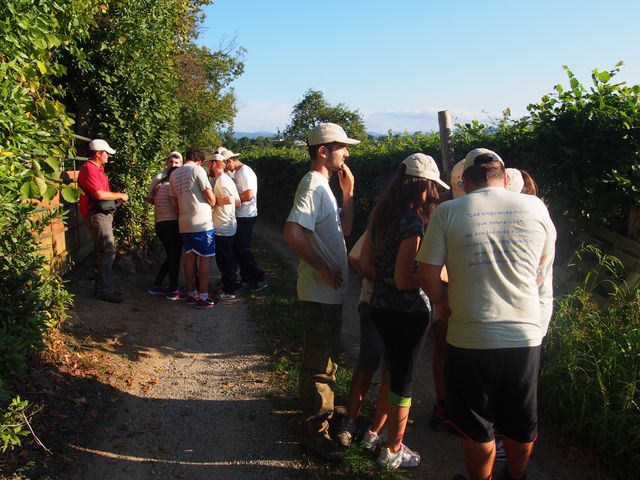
x=403 y=458
x=372 y=440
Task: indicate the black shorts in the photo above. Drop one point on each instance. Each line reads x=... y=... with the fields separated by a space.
x=493 y=389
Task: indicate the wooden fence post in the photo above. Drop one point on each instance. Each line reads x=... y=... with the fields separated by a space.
x=446 y=146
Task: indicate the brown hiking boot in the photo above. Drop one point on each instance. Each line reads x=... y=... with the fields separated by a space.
x=324 y=448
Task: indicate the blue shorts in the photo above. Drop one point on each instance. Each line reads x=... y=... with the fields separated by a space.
x=200 y=243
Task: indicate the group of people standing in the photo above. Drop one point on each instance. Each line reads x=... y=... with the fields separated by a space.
x=201 y=215
x=479 y=265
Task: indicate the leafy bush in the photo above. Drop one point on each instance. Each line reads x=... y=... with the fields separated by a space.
x=590 y=375
x=13 y=421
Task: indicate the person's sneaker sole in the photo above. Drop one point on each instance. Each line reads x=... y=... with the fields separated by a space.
x=259 y=287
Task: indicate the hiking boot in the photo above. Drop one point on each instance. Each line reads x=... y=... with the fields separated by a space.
x=153 y=290
x=371 y=440
x=111 y=297
x=203 y=304
x=403 y=458
x=323 y=447
x=345 y=433
x=175 y=295
x=258 y=286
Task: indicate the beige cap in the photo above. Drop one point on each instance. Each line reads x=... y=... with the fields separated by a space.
x=227 y=154
x=329 y=133
x=176 y=154
x=457 y=184
x=217 y=157
x=423 y=166
x=515 y=182
x=99 y=145
x=220 y=149
x=470 y=159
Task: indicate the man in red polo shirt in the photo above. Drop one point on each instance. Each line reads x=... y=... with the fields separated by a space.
x=96 y=207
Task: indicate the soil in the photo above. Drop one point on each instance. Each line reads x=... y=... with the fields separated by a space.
x=155 y=389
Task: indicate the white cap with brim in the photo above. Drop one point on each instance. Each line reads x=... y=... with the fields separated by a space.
x=329 y=133
x=99 y=145
x=457 y=184
x=175 y=154
x=470 y=159
x=515 y=182
x=217 y=157
x=423 y=166
x=227 y=154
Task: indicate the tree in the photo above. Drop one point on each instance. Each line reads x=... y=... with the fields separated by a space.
x=314 y=109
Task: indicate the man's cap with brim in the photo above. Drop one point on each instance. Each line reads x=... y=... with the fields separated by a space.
x=99 y=145
x=325 y=133
x=472 y=156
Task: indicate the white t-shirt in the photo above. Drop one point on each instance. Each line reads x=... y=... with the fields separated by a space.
x=366 y=291
x=315 y=209
x=492 y=241
x=187 y=184
x=224 y=216
x=246 y=179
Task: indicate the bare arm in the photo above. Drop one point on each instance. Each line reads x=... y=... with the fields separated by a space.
x=209 y=196
x=403 y=275
x=346 y=185
x=296 y=238
x=228 y=200
x=246 y=195
x=105 y=195
x=430 y=282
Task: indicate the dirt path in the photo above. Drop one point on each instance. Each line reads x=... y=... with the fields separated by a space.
x=189 y=398
x=194 y=386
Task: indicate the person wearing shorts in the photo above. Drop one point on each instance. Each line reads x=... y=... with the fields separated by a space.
x=498 y=247
x=193 y=197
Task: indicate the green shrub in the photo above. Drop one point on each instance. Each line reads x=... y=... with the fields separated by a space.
x=590 y=375
x=13 y=424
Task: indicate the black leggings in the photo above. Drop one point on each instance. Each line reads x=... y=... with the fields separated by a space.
x=403 y=334
x=169 y=235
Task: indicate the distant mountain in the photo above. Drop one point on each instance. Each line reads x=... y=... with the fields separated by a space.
x=254 y=135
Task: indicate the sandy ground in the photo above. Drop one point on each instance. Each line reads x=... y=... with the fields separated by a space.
x=191 y=396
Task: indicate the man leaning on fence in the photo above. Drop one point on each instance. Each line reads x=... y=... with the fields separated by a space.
x=97 y=205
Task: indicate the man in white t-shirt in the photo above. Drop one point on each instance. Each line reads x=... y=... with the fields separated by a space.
x=246 y=182
x=224 y=224
x=315 y=230
x=498 y=247
x=193 y=197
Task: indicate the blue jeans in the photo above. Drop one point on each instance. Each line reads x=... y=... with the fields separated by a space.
x=250 y=271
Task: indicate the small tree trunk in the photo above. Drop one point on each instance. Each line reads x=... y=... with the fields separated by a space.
x=633 y=228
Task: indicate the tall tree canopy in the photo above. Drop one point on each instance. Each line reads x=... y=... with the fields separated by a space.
x=314 y=109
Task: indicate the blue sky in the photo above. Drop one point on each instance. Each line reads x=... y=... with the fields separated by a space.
x=400 y=62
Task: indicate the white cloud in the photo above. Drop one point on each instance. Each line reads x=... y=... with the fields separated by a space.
x=415 y=119
x=262 y=116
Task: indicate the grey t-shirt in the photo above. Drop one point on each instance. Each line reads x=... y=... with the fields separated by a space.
x=187 y=184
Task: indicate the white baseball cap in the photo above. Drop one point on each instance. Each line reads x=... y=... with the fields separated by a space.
x=515 y=182
x=227 y=154
x=99 y=145
x=217 y=157
x=457 y=184
x=470 y=159
x=176 y=154
x=423 y=166
x=328 y=133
